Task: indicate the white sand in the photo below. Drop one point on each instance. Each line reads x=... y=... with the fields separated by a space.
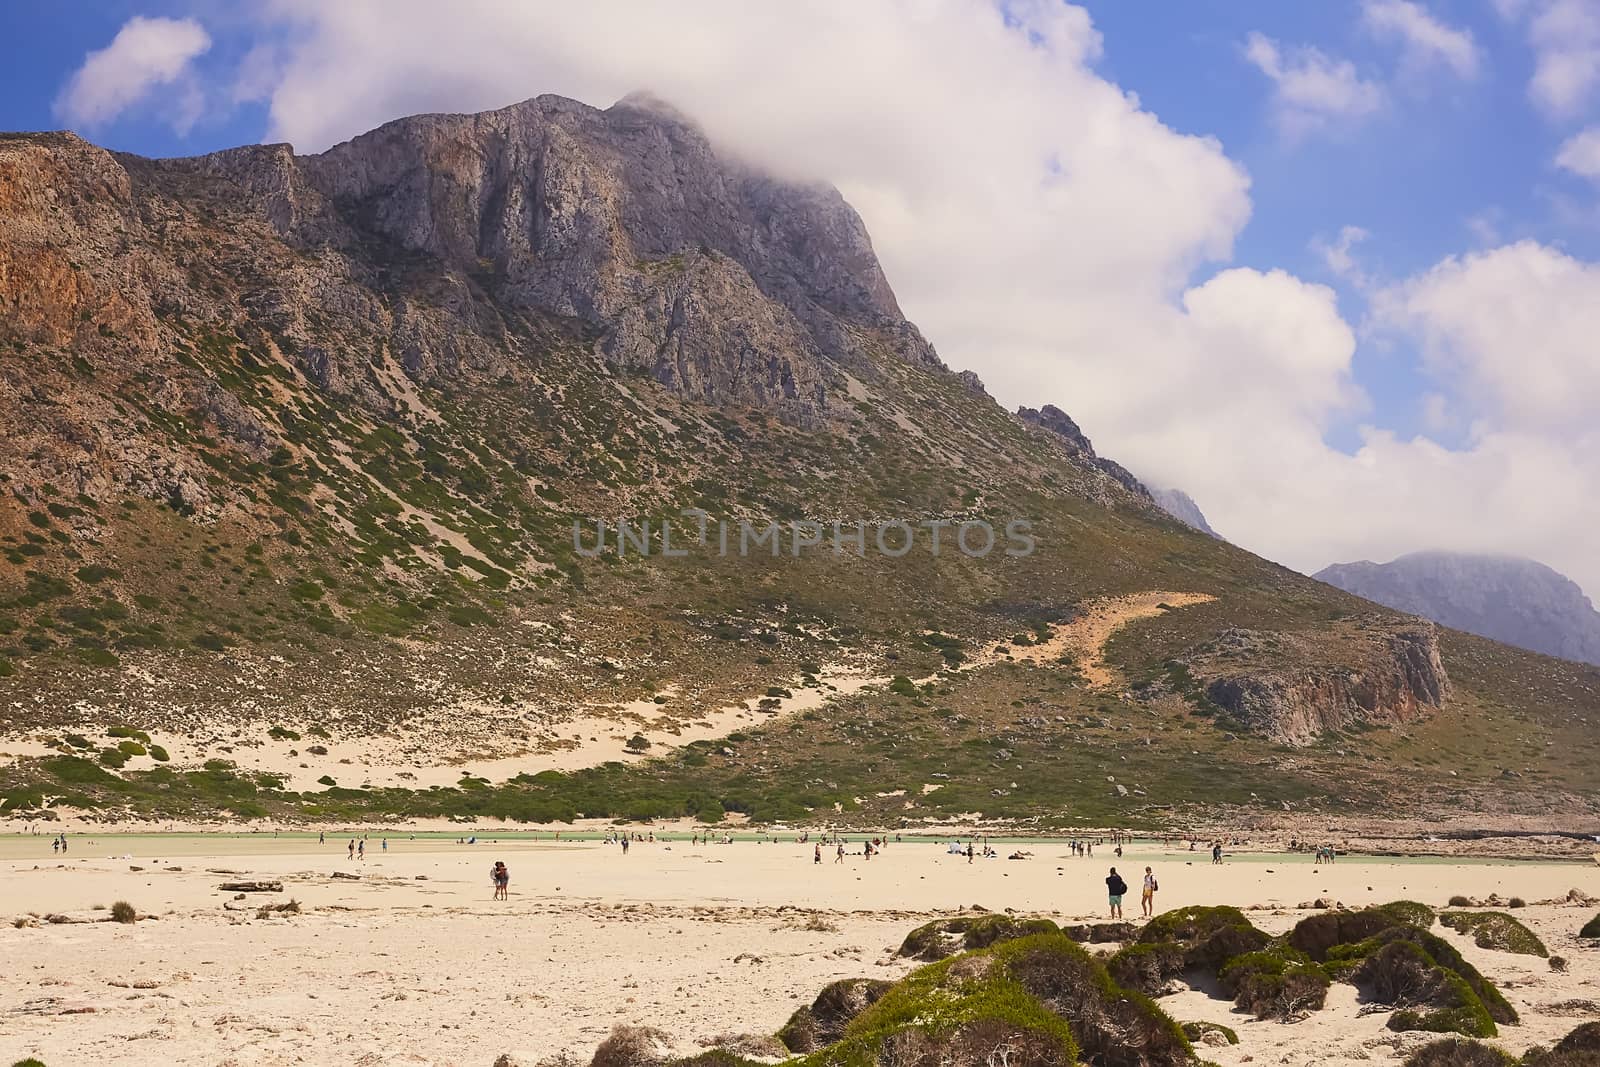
x=698 y=940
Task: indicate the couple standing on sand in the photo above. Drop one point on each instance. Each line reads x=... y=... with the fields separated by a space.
x=500 y=875
x=1117 y=888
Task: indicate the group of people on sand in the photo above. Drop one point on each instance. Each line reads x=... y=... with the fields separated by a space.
x=59 y=843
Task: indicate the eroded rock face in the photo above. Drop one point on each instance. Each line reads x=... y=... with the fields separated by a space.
x=1062 y=427
x=1403 y=681
x=719 y=279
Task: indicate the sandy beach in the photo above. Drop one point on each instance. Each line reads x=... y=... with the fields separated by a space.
x=412 y=962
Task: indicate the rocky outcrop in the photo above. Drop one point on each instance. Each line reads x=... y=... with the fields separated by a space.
x=1403 y=681
x=1503 y=598
x=1061 y=425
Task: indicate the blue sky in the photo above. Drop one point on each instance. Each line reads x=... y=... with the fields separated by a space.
x=1425 y=131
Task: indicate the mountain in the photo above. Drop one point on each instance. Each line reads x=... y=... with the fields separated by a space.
x=1181 y=506
x=1517 y=601
x=550 y=461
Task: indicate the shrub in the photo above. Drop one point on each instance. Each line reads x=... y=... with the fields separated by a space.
x=1197 y=1031
x=1112 y=1026
x=943 y=938
x=159 y=754
x=1210 y=936
x=824 y=1021
x=1580 y=1048
x=1279 y=982
x=1454 y=1052
x=1317 y=935
x=123 y=912
x=632 y=1046
x=638 y=743
x=131 y=748
x=113 y=758
x=1459 y=901
x=1348 y=958
x=1495 y=930
x=1592 y=927
x=1147 y=968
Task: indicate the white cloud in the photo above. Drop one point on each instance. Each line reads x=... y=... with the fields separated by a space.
x=1565 y=36
x=1339 y=255
x=1048 y=233
x=1515 y=329
x=1425 y=39
x=1581 y=154
x=145 y=54
x=1311 y=89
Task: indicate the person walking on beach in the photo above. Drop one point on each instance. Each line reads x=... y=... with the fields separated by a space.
x=816 y=853
x=1115 y=888
x=1216 y=852
x=1147 y=898
x=839 y=855
x=322 y=838
x=352 y=848
x=624 y=846
x=361 y=849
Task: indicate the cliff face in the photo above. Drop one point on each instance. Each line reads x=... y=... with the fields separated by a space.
x=1402 y=680
x=715 y=278
x=1517 y=601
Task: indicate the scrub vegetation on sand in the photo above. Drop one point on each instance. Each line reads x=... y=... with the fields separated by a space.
x=1495 y=930
x=1021 y=985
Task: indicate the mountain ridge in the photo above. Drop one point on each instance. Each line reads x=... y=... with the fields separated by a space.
x=1507 y=598
x=299 y=444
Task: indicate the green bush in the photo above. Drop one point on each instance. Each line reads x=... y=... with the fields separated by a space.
x=1592 y=927
x=1195 y=1031
x=1279 y=982
x=113 y=758
x=1456 y=1052
x=123 y=912
x=1495 y=930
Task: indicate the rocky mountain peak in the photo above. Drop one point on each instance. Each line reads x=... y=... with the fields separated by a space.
x=1061 y=426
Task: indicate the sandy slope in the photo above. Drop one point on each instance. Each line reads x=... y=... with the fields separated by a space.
x=1083 y=638
x=698 y=940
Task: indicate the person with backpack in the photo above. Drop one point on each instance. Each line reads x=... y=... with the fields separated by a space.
x=1116 y=887
x=1147 y=900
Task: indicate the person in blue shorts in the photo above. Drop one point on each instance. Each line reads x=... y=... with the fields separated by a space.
x=1115 y=888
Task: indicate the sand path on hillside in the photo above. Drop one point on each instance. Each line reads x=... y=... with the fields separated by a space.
x=1084 y=637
